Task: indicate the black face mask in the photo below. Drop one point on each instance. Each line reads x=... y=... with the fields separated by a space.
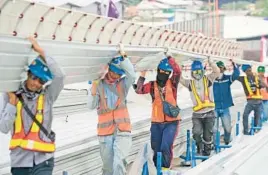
x=161 y=79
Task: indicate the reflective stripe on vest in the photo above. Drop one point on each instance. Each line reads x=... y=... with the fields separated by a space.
x=206 y=102
x=251 y=95
x=32 y=140
x=109 y=119
x=157 y=106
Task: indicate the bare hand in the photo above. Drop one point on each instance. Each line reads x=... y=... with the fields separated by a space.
x=122 y=51
x=13 y=99
x=36 y=47
x=143 y=73
x=233 y=63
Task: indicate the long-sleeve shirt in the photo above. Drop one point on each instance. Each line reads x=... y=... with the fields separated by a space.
x=222 y=89
x=149 y=87
x=200 y=89
x=21 y=157
x=112 y=97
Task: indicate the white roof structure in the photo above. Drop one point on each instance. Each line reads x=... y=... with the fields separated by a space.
x=244 y=27
x=177 y=2
x=151 y=5
x=80 y=3
x=84 y=43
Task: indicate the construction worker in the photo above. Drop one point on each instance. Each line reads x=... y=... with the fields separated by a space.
x=201 y=91
x=27 y=114
x=223 y=99
x=264 y=92
x=164 y=128
x=108 y=96
x=251 y=84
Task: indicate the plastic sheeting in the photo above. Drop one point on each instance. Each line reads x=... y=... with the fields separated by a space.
x=145 y=155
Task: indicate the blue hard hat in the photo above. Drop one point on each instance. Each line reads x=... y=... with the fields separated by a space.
x=245 y=67
x=116 y=69
x=164 y=65
x=197 y=65
x=40 y=69
x=113 y=65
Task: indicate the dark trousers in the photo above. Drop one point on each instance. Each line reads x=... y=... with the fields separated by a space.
x=203 y=127
x=162 y=139
x=257 y=115
x=44 y=168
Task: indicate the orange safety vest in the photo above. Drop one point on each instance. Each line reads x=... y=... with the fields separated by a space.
x=264 y=92
x=251 y=95
x=108 y=119
x=206 y=103
x=30 y=141
x=158 y=115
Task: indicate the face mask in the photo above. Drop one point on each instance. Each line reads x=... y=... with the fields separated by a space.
x=162 y=78
x=27 y=93
x=197 y=74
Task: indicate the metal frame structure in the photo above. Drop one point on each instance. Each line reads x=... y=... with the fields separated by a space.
x=53 y=23
x=84 y=43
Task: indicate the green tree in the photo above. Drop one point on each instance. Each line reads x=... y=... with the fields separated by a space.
x=240 y=5
x=261 y=8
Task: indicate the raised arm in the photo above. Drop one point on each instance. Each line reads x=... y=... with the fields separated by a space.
x=141 y=87
x=215 y=71
x=57 y=84
x=176 y=72
x=127 y=66
x=184 y=82
x=236 y=73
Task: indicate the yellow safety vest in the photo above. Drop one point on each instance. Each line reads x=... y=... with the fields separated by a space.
x=206 y=102
x=251 y=95
x=30 y=141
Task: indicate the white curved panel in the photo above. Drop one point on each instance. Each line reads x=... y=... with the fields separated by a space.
x=155 y=37
x=80 y=32
x=97 y=28
x=25 y=26
x=119 y=32
x=136 y=40
x=84 y=43
x=163 y=37
x=65 y=25
x=48 y=28
x=107 y=31
x=130 y=31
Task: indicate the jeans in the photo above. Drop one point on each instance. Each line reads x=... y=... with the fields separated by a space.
x=225 y=117
x=265 y=109
x=162 y=139
x=45 y=168
x=114 y=150
x=257 y=114
x=203 y=132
